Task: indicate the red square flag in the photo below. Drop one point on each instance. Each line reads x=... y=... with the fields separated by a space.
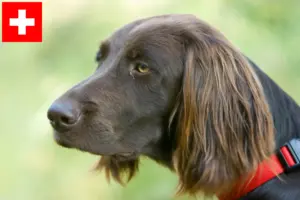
x=21 y=21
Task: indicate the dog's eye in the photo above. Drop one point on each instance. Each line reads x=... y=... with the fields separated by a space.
x=142 y=68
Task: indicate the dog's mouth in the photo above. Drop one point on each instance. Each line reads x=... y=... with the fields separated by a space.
x=60 y=141
x=63 y=142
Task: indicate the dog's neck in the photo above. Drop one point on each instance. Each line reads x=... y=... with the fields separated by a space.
x=285 y=111
x=286 y=117
x=162 y=151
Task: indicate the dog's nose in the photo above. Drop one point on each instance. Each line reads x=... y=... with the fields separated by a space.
x=63 y=116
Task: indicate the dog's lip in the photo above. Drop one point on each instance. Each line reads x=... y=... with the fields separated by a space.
x=60 y=141
x=63 y=144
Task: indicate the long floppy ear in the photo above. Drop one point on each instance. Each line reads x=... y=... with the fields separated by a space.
x=225 y=127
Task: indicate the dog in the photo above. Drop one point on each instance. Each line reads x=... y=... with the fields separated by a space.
x=174 y=89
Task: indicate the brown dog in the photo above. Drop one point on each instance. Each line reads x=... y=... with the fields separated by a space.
x=174 y=89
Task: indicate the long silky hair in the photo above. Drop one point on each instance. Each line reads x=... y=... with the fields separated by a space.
x=226 y=128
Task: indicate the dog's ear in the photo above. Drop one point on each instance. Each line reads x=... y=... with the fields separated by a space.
x=225 y=127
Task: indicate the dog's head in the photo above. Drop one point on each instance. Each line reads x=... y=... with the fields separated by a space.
x=173 y=88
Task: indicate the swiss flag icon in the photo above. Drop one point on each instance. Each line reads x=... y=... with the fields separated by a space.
x=21 y=21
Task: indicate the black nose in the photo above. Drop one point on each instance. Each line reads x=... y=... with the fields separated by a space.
x=63 y=116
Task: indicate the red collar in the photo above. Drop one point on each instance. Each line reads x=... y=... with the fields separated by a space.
x=286 y=159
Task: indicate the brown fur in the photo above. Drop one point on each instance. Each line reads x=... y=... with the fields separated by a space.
x=225 y=123
x=203 y=109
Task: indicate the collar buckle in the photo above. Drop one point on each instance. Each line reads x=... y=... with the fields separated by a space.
x=289 y=155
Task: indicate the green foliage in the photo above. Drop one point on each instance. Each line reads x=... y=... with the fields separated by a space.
x=33 y=167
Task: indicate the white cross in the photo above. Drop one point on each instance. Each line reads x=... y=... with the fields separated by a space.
x=21 y=22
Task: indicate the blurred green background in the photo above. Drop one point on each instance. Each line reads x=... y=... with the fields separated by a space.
x=32 y=75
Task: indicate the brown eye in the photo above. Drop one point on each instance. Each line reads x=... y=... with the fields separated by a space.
x=142 y=68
